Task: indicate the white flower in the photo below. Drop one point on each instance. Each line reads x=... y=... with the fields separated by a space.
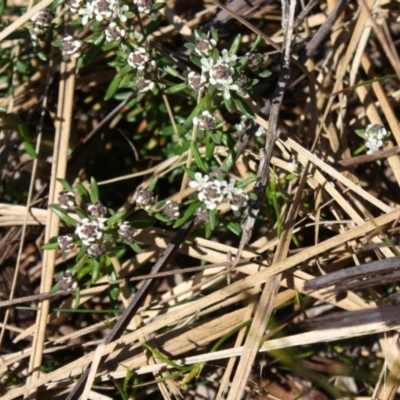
x=102 y=10
x=96 y=250
x=145 y=85
x=139 y=59
x=221 y=73
x=200 y=181
x=260 y=131
x=226 y=88
x=196 y=81
x=205 y=47
x=65 y=243
x=242 y=125
x=86 y=12
x=205 y=121
x=126 y=231
x=206 y=64
x=144 y=6
x=89 y=231
x=226 y=58
x=118 y=10
x=373 y=144
x=375 y=131
x=212 y=193
x=114 y=33
x=72 y=46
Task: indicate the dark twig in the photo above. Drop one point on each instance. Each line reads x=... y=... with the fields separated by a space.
x=272 y=135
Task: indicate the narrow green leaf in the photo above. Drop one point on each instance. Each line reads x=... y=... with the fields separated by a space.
x=181 y=87
x=229 y=162
x=235 y=45
x=94 y=189
x=135 y=247
x=65 y=185
x=83 y=192
x=93 y=51
x=63 y=215
x=264 y=74
x=161 y=217
x=213 y=219
x=235 y=228
x=81 y=214
x=50 y=246
x=189 y=172
x=112 y=89
x=77 y=297
x=256 y=43
x=153 y=183
x=210 y=147
x=214 y=34
x=197 y=157
x=171 y=71
x=242 y=105
x=187 y=214
x=96 y=266
x=30 y=149
x=115 y=218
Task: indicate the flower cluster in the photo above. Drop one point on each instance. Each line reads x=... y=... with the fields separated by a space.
x=223 y=71
x=205 y=121
x=92 y=231
x=213 y=192
x=42 y=22
x=71 y=46
x=373 y=137
x=146 y=66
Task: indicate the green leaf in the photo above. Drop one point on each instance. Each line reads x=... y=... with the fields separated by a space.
x=83 y=192
x=245 y=182
x=187 y=214
x=57 y=43
x=135 y=247
x=360 y=133
x=92 y=52
x=229 y=104
x=161 y=217
x=214 y=34
x=77 y=297
x=229 y=161
x=235 y=228
x=2 y=5
x=235 y=45
x=210 y=147
x=65 y=185
x=197 y=110
x=112 y=89
x=94 y=189
x=96 y=269
x=196 y=61
x=115 y=218
x=242 y=106
x=114 y=291
x=153 y=184
x=189 y=172
x=81 y=214
x=213 y=219
x=181 y=87
x=63 y=215
x=264 y=74
x=50 y=246
x=171 y=71
x=256 y=43
x=197 y=157
x=30 y=150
